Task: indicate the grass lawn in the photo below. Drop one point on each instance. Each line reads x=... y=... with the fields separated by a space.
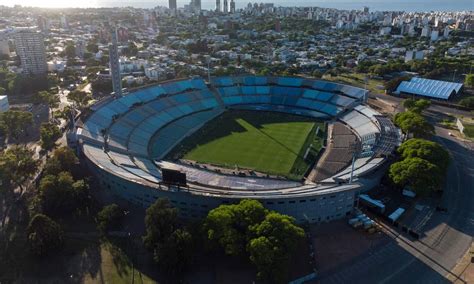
x=469 y=130
x=269 y=142
x=357 y=79
x=115 y=267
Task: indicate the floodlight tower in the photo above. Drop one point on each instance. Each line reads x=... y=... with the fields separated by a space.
x=115 y=64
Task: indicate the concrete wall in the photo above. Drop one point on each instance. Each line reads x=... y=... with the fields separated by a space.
x=319 y=208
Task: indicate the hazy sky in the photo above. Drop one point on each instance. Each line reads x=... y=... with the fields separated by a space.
x=409 y=5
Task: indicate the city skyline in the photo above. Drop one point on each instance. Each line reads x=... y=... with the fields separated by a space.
x=374 y=5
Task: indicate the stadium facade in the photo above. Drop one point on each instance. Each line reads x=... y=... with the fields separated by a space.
x=114 y=140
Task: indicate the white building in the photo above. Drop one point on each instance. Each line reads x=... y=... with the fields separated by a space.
x=385 y=31
x=56 y=66
x=446 y=32
x=4 y=106
x=30 y=48
x=409 y=55
x=425 y=32
x=155 y=73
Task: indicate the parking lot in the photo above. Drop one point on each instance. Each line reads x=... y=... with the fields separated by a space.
x=337 y=244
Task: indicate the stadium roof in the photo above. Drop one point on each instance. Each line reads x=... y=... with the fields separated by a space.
x=429 y=88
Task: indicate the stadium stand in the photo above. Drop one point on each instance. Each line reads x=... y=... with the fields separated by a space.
x=125 y=139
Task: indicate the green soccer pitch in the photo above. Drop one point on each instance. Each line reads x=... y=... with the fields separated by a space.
x=268 y=142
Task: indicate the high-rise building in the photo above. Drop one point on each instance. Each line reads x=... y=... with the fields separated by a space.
x=218 y=5
x=4 y=106
x=232 y=6
x=115 y=65
x=197 y=6
x=226 y=7
x=366 y=9
x=43 y=24
x=4 y=44
x=426 y=31
x=30 y=48
x=64 y=22
x=172 y=4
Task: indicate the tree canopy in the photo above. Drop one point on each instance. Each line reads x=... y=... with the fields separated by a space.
x=229 y=225
x=266 y=237
x=17 y=165
x=160 y=221
x=469 y=80
x=80 y=98
x=413 y=123
x=49 y=133
x=175 y=254
x=427 y=150
x=48 y=98
x=109 y=218
x=44 y=235
x=172 y=245
x=467 y=102
x=416 y=173
x=62 y=160
x=60 y=194
x=16 y=122
x=417 y=106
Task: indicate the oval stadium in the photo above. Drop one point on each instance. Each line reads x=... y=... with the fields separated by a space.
x=302 y=147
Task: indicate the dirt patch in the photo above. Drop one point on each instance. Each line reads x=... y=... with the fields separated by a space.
x=337 y=243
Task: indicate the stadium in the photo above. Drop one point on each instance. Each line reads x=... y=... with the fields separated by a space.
x=302 y=147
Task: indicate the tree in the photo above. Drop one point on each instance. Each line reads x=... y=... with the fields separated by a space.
x=276 y=237
x=16 y=122
x=413 y=123
x=416 y=173
x=427 y=150
x=17 y=165
x=247 y=228
x=2 y=91
x=160 y=222
x=109 y=218
x=92 y=47
x=469 y=80
x=63 y=160
x=392 y=85
x=44 y=235
x=417 y=106
x=229 y=225
x=60 y=194
x=175 y=254
x=49 y=133
x=467 y=102
x=80 y=98
x=50 y=99
x=70 y=51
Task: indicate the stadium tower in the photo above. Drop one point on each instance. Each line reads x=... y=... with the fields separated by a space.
x=172 y=4
x=226 y=7
x=115 y=65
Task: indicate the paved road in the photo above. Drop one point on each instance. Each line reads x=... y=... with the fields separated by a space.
x=447 y=236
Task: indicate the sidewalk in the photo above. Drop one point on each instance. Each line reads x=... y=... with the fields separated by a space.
x=464 y=269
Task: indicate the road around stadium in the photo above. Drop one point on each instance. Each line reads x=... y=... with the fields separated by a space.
x=446 y=236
